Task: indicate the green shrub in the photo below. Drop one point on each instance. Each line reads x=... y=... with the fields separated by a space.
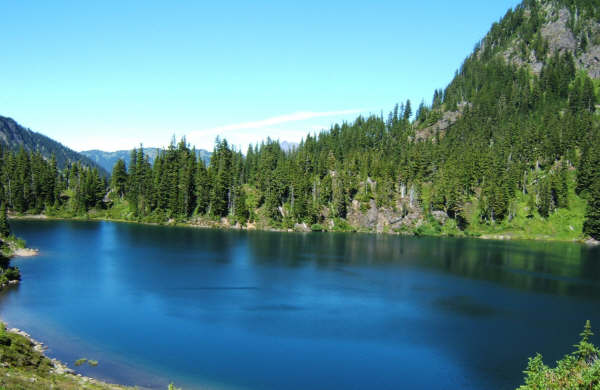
x=5 y=340
x=81 y=361
x=317 y=227
x=17 y=351
x=12 y=273
x=341 y=225
x=579 y=370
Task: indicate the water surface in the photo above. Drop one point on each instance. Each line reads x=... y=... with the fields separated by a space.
x=262 y=310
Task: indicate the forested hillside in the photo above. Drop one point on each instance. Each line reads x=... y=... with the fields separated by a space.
x=33 y=184
x=14 y=136
x=510 y=147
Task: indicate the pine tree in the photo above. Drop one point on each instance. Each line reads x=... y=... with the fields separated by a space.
x=407 y=110
x=591 y=225
x=119 y=177
x=585 y=350
x=4 y=227
x=546 y=204
x=585 y=170
x=241 y=209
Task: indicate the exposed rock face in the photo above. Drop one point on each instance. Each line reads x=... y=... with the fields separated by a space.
x=558 y=33
x=560 y=38
x=590 y=61
x=440 y=216
x=302 y=227
x=439 y=128
x=511 y=55
x=404 y=215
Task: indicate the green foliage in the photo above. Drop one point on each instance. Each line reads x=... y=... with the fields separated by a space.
x=317 y=227
x=505 y=164
x=341 y=225
x=16 y=350
x=431 y=227
x=119 y=178
x=24 y=368
x=4 y=227
x=580 y=370
x=591 y=226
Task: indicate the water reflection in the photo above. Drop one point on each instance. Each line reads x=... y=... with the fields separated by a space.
x=248 y=308
x=558 y=268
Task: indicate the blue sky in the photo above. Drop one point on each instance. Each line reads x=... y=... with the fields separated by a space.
x=111 y=74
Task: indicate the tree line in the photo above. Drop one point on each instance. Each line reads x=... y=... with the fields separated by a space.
x=517 y=134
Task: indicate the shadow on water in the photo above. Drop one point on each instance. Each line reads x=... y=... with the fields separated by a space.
x=551 y=267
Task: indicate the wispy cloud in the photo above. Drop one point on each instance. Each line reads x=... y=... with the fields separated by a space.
x=276 y=120
x=288 y=127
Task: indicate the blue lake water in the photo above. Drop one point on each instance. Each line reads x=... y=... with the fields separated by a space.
x=263 y=310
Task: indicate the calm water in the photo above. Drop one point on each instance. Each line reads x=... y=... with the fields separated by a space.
x=258 y=310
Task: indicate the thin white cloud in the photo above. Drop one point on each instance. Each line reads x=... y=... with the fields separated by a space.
x=276 y=120
x=290 y=127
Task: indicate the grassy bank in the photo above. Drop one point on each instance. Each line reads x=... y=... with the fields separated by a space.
x=23 y=366
x=562 y=226
x=565 y=224
x=524 y=222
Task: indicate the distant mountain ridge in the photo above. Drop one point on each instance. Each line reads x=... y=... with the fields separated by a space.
x=15 y=136
x=288 y=146
x=107 y=160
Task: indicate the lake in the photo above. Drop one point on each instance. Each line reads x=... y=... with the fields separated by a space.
x=265 y=310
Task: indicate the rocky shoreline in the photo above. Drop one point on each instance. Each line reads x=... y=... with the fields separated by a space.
x=57 y=367
x=25 y=252
x=60 y=368
x=224 y=224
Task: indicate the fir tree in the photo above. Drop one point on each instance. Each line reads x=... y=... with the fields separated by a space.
x=4 y=227
x=591 y=225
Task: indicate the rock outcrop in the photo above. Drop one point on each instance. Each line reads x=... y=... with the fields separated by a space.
x=404 y=215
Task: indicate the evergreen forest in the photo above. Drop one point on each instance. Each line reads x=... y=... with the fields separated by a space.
x=512 y=144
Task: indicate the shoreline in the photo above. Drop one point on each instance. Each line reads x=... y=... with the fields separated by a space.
x=58 y=369
x=506 y=236
x=62 y=369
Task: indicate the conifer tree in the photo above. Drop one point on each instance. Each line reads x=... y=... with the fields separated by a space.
x=4 y=227
x=591 y=225
x=119 y=177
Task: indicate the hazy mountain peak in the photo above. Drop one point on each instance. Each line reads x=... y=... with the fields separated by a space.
x=15 y=136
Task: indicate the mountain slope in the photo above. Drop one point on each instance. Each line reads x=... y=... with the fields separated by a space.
x=107 y=160
x=536 y=29
x=15 y=136
x=510 y=129
x=511 y=148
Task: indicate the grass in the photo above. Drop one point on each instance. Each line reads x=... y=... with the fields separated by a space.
x=561 y=225
x=24 y=368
